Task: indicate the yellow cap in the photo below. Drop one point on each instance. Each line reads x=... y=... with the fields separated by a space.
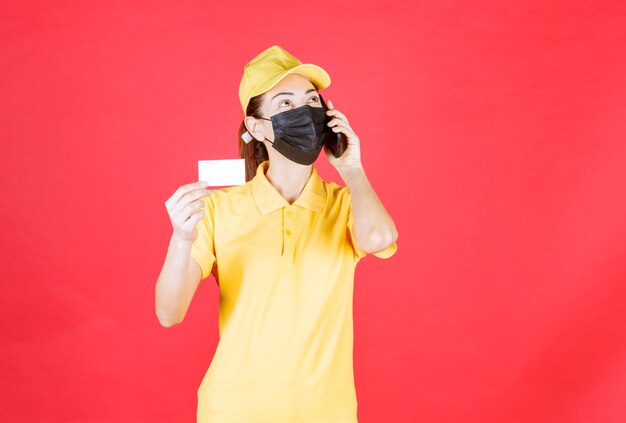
x=272 y=65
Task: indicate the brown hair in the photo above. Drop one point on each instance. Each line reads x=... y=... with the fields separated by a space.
x=255 y=151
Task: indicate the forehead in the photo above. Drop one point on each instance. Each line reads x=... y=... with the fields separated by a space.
x=293 y=82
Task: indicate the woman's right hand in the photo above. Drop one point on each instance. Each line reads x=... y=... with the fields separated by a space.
x=184 y=208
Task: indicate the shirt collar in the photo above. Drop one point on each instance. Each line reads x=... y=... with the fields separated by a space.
x=268 y=199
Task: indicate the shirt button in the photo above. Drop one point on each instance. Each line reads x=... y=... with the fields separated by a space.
x=288 y=232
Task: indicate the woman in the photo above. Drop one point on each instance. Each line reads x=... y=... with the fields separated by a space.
x=283 y=249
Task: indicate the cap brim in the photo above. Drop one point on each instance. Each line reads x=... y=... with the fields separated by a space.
x=318 y=77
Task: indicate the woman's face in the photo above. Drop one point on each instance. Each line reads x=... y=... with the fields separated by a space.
x=291 y=92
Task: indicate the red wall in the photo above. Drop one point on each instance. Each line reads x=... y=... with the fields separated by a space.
x=493 y=132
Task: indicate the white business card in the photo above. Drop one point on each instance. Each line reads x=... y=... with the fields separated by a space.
x=222 y=172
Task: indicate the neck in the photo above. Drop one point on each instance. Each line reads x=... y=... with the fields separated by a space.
x=288 y=178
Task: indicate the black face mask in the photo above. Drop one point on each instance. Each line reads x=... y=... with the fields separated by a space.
x=299 y=133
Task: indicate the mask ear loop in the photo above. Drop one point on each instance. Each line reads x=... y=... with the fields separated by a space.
x=271 y=142
x=247 y=137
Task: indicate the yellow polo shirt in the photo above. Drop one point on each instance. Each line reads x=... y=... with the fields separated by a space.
x=285 y=274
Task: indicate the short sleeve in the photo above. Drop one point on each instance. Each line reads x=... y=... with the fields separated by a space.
x=359 y=254
x=202 y=249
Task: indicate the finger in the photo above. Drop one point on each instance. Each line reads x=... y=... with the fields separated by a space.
x=188 y=198
x=335 y=121
x=193 y=221
x=187 y=188
x=334 y=112
x=345 y=129
x=183 y=217
x=194 y=195
x=184 y=210
x=337 y=114
x=341 y=125
x=182 y=190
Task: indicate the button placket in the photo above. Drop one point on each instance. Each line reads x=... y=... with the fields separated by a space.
x=289 y=232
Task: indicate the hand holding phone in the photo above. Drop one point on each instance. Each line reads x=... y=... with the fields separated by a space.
x=336 y=141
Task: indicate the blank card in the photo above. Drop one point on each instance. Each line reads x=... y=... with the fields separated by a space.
x=222 y=172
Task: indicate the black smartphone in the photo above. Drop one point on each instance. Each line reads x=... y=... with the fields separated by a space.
x=336 y=141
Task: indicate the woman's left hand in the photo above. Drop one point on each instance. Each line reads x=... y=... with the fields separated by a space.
x=351 y=157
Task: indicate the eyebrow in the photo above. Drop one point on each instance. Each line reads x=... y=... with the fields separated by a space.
x=308 y=91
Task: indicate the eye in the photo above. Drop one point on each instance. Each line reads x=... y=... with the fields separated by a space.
x=315 y=99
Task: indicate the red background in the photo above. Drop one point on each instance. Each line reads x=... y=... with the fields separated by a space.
x=493 y=132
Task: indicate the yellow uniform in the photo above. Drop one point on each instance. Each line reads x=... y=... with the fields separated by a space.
x=285 y=274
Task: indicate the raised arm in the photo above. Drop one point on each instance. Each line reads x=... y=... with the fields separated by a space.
x=374 y=230
x=180 y=274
